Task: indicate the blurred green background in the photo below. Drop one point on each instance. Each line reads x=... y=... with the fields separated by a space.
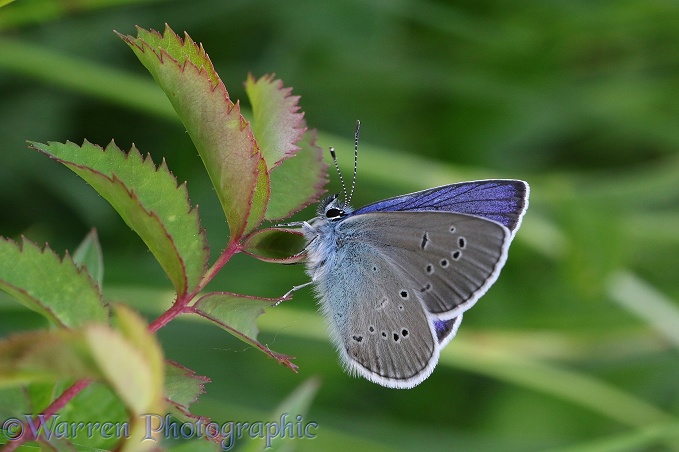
x=575 y=347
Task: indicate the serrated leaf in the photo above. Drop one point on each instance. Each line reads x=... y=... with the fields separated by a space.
x=237 y=314
x=182 y=388
x=89 y=255
x=277 y=245
x=298 y=181
x=149 y=201
x=55 y=288
x=182 y=385
x=278 y=125
x=128 y=359
x=222 y=136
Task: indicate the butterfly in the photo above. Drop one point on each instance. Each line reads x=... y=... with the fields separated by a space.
x=393 y=278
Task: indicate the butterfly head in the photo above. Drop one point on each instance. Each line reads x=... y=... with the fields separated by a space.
x=333 y=209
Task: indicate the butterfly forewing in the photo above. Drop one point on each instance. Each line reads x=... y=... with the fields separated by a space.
x=452 y=258
x=500 y=200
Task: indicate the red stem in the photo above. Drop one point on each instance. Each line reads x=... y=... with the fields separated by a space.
x=50 y=411
x=180 y=306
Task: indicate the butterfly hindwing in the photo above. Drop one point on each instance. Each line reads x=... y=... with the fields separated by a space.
x=378 y=321
x=446 y=329
x=500 y=200
x=452 y=258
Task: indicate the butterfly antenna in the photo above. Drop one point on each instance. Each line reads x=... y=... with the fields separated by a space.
x=344 y=187
x=353 y=179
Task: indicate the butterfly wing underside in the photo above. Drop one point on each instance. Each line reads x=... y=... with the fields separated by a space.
x=381 y=335
x=449 y=259
x=393 y=302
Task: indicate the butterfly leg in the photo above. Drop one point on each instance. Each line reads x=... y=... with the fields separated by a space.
x=290 y=225
x=288 y=294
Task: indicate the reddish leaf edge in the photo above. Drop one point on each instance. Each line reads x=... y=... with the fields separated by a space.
x=192 y=374
x=216 y=84
x=283 y=359
x=300 y=128
x=66 y=260
x=115 y=179
x=319 y=186
x=235 y=244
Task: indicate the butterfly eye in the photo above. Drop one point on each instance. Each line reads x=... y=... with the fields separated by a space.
x=334 y=212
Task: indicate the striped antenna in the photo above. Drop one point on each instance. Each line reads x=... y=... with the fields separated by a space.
x=344 y=187
x=353 y=179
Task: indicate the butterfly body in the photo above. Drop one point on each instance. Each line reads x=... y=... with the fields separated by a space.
x=394 y=277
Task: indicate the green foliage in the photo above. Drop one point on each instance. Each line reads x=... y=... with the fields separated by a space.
x=149 y=201
x=89 y=255
x=573 y=349
x=296 y=182
x=182 y=388
x=128 y=358
x=224 y=138
x=237 y=314
x=55 y=288
x=275 y=245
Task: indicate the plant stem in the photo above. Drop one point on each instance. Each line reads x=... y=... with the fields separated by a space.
x=180 y=306
x=232 y=248
x=177 y=308
x=48 y=412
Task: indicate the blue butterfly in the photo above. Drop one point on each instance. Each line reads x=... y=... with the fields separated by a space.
x=394 y=277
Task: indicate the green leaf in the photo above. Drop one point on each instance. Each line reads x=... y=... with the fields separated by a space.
x=149 y=201
x=183 y=386
x=214 y=122
x=44 y=356
x=298 y=182
x=89 y=255
x=136 y=374
x=132 y=367
x=55 y=288
x=127 y=358
x=237 y=314
x=278 y=125
x=277 y=245
x=107 y=407
x=135 y=332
